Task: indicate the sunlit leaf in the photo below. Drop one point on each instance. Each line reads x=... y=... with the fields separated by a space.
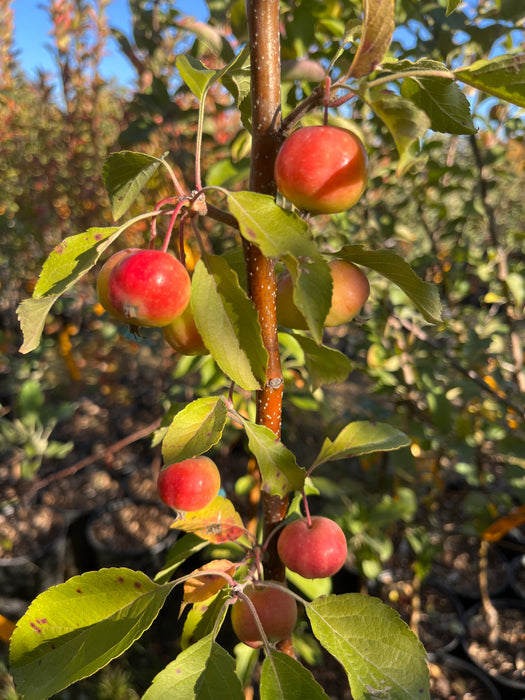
x=207 y=581
x=284 y=678
x=218 y=522
x=378 y=27
x=359 y=438
x=66 y=264
x=125 y=174
x=73 y=629
x=202 y=672
x=424 y=294
x=195 y=429
x=202 y=618
x=279 y=470
x=405 y=121
x=228 y=322
x=196 y=76
x=503 y=77
x=379 y=652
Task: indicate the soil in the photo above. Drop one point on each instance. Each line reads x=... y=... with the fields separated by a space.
x=131 y=527
x=457 y=567
x=451 y=679
x=27 y=530
x=506 y=657
x=82 y=491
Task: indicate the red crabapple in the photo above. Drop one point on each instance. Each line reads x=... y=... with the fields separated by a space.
x=277 y=612
x=313 y=551
x=322 y=169
x=149 y=288
x=183 y=336
x=189 y=485
x=103 y=281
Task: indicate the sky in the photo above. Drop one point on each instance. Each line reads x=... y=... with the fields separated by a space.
x=32 y=37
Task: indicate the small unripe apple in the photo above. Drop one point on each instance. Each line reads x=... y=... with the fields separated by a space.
x=322 y=169
x=276 y=610
x=149 y=288
x=103 y=281
x=350 y=290
x=189 y=485
x=183 y=336
x=317 y=550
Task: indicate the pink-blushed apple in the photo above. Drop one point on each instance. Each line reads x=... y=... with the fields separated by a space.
x=314 y=550
x=276 y=610
x=189 y=485
x=322 y=169
x=350 y=291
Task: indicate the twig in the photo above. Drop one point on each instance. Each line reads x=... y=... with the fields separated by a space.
x=112 y=449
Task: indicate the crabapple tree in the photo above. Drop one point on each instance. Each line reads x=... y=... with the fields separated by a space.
x=244 y=317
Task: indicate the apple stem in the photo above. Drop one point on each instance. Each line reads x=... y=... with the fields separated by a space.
x=171 y=224
x=306 y=509
x=327 y=85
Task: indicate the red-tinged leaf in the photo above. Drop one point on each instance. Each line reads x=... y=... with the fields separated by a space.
x=207 y=582
x=501 y=526
x=378 y=27
x=218 y=522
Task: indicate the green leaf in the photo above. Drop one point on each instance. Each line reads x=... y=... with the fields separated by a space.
x=201 y=619
x=310 y=587
x=360 y=438
x=405 y=121
x=381 y=655
x=503 y=77
x=278 y=233
x=325 y=365
x=67 y=263
x=124 y=175
x=392 y=266
x=451 y=6
x=378 y=27
x=228 y=322
x=312 y=292
x=279 y=470
x=196 y=76
x=183 y=548
x=204 y=671
x=284 y=678
x=195 y=429
x=74 y=629
x=444 y=103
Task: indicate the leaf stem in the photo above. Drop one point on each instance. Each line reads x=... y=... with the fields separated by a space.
x=411 y=74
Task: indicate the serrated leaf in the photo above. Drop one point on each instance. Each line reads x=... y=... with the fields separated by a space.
x=279 y=470
x=124 y=175
x=208 y=582
x=236 y=79
x=442 y=100
x=378 y=27
x=503 y=77
x=360 y=438
x=204 y=671
x=405 y=121
x=325 y=365
x=278 y=233
x=195 y=429
x=218 y=522
x=196 y=76
x=228 y=323
x=202 y=618
x=284 y=678
x=74 y=629
x=312 y=292
x=392 y=266
x=66 y=264
x=379 y=652
x=183 y=548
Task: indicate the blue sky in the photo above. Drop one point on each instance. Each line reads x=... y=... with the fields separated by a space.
x=32 y=28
